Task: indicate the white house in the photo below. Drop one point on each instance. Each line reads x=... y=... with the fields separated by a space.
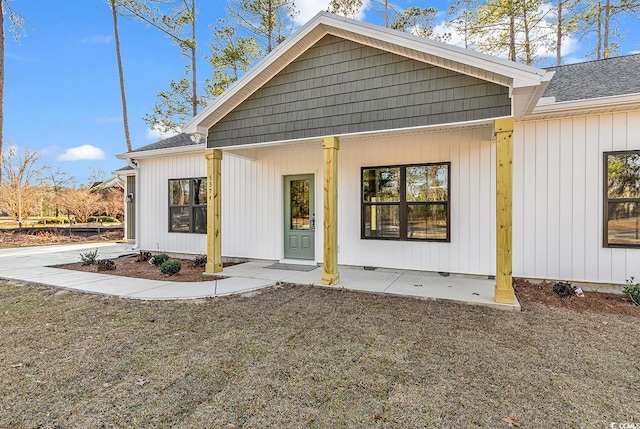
x=353 y=144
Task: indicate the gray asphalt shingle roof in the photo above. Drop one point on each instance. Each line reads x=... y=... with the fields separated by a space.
x=593 y=79
x=178 y=140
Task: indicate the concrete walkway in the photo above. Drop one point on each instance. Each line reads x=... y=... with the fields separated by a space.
x=33 y=264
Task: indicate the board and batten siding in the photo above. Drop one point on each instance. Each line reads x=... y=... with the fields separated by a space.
x=153 y=231
x=558 y=198
x=252 y=205
x=340 y=87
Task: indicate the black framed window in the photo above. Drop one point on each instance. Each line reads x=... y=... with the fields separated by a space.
x=188 y=205
x=622 y=199
x=406 y=202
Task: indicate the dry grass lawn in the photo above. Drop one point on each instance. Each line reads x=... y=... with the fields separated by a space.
x=298 y=357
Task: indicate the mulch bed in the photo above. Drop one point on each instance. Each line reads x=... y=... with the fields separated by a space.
x=42 y=238
x=131 y=267
x=599 y=302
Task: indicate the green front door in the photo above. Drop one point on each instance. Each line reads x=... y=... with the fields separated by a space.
x=299 y=217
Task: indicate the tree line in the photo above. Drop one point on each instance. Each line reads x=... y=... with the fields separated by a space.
x=527 y=31
x=32 y=190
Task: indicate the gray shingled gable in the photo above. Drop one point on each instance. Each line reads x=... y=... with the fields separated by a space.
x=594 y=79
x=178 y=140
x=338 y=86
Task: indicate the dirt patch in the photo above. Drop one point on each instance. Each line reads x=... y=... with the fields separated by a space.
x=599 y=302
x=131 y=267
x=43 y=238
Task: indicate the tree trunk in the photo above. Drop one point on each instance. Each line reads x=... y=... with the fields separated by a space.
x=194 y=88
x=123 y=97
x=559 y=35
x=1 y=83
x=599 y=48
x=386 y=13
x=527 y=38
x=269 y=25
x=605 y=36
x=512 y=36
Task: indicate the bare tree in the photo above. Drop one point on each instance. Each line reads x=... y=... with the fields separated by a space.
x=81 y=203
x=58 y=180
x=18 y=193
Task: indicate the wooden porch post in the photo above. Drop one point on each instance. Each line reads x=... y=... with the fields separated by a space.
x=214 y=224
x=330 y=147
x=504 y=183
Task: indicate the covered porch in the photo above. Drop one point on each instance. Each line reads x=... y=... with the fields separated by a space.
x=489 y=142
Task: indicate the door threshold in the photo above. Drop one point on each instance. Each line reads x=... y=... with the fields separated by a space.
x=298 y=261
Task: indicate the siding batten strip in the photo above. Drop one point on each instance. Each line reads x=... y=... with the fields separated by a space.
x=504 y=201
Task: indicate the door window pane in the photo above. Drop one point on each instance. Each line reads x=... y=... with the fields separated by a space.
x=381 y=184
x=624 y=223
x=382 y=221
x=299 y=199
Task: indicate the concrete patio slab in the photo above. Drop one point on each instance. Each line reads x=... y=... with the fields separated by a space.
x=33 y=265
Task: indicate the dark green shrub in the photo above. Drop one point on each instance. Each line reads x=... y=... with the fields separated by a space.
x=106 y=265
x=170 y=267
x=159 y=259
x=53 y=221
x=632 y=290
x=200 y=261
x=103 y=219
x=89 y=258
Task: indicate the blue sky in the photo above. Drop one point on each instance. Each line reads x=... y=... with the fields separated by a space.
x=61 y=84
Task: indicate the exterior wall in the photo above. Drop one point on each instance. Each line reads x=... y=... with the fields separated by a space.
x=340 y=87
x=252 y=199
x=154 y=178
x=253 y=202
x=558 y=198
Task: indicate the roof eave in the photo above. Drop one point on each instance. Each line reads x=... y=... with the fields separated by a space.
x=590 y=103
x=181 y=150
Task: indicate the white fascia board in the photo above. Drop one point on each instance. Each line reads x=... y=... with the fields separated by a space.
x=156 y=153
x=591 y=103
x=520 y=75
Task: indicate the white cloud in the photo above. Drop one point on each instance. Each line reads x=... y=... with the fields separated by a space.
x=97 y=40
x=86 y=152
x=546 y=30
x=634 y=52
x=309 y=8
x=155 y=133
